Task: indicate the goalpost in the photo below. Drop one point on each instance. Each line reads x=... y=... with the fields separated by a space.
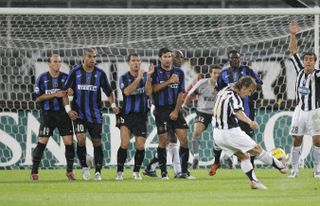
x=29 y=36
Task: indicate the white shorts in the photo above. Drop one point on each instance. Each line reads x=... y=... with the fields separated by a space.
x=305 y=122
x=233 y=140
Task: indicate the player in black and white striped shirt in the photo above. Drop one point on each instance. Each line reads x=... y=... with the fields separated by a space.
x=306 y=118
x=228 y=135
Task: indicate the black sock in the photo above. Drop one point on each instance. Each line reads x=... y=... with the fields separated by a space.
x=121 y=158
x=37 y=155
x=82 y=155
x=217 y=154
x=138 y=159
x=252 y=160
x=184 y=158
x=162 y=156
x=98 y=157
x=154 y=160
x=249 y=174
x=69 y=154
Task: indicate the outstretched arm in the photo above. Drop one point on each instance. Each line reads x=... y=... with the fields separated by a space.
x=243 y=117
x=148 y=85
x=294 y=28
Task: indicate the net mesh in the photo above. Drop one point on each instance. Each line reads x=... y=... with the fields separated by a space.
x=26 y=42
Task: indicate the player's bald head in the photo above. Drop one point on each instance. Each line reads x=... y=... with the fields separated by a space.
x=178 y=58
x=178 y=53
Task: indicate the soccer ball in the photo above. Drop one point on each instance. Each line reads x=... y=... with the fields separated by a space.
x=279 y=154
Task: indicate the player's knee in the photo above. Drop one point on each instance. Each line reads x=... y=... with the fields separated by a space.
x=256 y=150
x=43 y=140
x=197 y=133
x=184 y=142
x=81 y=139
x=68 y=140
x=242 y=156
x=163 y=140
x=124 y=146
x=316 y=140
x=140 y=146
x=297 y=141
x=96 y=142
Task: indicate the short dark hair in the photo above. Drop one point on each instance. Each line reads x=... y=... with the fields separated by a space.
x=309 y=53
x=246 y=81
x=132 y=55
x=214 y=66
x=233 y=52
x=89 y=50
x=163 y=51
x=54 y=54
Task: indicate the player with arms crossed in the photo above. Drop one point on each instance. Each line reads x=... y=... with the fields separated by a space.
x=228 y=135
x=206 y=89
x=136 y=88
x=86 y=81
x=50 y=95
x=306 y=117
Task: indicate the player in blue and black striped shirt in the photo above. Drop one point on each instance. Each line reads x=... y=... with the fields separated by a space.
x=136 y=88
x=53 y=115
x=86 y=81
x=168 y=86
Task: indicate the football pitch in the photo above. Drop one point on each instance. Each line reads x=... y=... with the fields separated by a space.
x=228 y=187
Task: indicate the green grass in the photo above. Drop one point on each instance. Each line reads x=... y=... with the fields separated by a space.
x=228 y=187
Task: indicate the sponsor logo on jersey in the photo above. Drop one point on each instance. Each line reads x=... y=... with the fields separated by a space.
x=209 y=99
x=303 y=91
x=138 y=91
x=51 y=91
x=173 y=86
x=87 y=87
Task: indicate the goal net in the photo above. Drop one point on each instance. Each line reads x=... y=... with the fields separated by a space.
x=27 y=40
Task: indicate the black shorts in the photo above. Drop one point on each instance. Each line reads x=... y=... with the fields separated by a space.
x=204 y=118
x=135 y=122
x=82 y=126
x=164 y=123
x=246 y=128
x=49 y=120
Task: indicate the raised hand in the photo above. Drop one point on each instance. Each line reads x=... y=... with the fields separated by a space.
x=73 y=115
x=294 y=27
x=70 y=92
x=140 y=73
x=151 y=69
x=174 y=78
x=254 y=125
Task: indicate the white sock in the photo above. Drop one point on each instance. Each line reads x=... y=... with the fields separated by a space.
x=154 y=166
x=296 y=152
x=316 y=158
x=173 y=148
x=265 y=157
x=270 y=160
x=246 y=167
